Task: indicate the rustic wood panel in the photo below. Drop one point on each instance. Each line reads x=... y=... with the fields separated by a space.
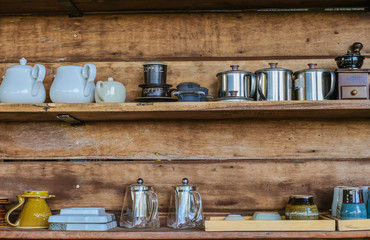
x=11 y=7
x=165 y=233
x=344 y=109
x=182 y=36
x=188 y=140
x=131 y=74
x=232 y=186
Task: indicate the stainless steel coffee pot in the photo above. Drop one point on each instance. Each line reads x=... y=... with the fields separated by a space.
x=185 y=207
x=236 y=85
x=140 y=207
x=274 y=84
x=314 y=83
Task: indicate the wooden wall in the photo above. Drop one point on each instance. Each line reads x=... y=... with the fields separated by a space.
x=239 y=165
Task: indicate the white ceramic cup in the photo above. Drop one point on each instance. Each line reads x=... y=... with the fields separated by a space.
x=335 y=202
x=110 y=91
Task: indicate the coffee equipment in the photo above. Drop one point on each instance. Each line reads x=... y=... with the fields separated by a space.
x=110 y=91
x=185 y=207
x=74 y=84
x=23 y=84
x=314 y=83
x=155 y=88
x=353 y=204
x=35 y=213
x=236 y=85
x=274 y=84
x=191 y=92
x=353 y=82
x=140 y=207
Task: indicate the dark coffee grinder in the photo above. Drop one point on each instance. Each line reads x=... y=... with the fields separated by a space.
x=155 y=88
x=353 y=82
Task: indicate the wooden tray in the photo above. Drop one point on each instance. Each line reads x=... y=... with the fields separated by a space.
x=219 y=224
x=351 y=225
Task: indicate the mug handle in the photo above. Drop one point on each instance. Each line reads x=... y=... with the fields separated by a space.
x=89 y=72
x=99 y=85
x=38 y=73
x=154 y=199
x=259 y=85
x=22 y=200
x=332 y=85
x=199 y=205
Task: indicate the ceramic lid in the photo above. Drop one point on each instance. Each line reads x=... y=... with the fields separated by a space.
x=154 y=63
x=273 y=67
x=111 y=81
x=139 y=186
x=234 y=69
x=22 y=65
x=185 y=186
x=312 y=68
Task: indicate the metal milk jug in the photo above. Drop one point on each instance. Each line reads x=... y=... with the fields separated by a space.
x=274 y=84
x=185 y=207
x=35 y=213
x=140 y=207
x=314 y=83
x=23 y=84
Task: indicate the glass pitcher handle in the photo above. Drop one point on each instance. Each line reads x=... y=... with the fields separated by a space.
x=22 y=200
x=154 y=202
x=198 y=200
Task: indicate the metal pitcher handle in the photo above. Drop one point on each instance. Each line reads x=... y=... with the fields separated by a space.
x=154 y=210
x=332 y=85
x=22 y=200
x=259 y=85
x=89 y=72
x=38 y=73
x=253 y=85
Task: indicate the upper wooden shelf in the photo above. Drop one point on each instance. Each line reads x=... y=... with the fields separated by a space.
x=164 y=233
x=80 y=7
x=186 y=110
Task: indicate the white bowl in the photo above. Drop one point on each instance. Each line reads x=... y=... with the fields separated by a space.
x=266 y=216
x=234 y=217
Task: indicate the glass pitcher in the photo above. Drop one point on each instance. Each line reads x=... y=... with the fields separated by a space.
x=140 y=207
x=185 y=207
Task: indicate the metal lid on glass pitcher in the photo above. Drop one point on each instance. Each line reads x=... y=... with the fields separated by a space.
x=234 y=69
x=185 y=186
x=139 y=186
x=312 y=68
x=273 y=67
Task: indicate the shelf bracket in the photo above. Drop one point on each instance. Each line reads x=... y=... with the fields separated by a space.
x=75 y=122
x=70 y=8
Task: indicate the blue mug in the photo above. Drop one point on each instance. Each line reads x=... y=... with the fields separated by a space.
x=353 y=204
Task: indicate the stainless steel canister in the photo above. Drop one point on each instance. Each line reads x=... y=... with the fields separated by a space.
x=274 y=84
x=236 y=85
x=314 y=83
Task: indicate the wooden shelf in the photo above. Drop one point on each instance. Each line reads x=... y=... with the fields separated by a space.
x=79 y=7
x=186 y=110
x=164 y=233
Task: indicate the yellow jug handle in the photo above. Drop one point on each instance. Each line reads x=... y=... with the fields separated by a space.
x=21 y=202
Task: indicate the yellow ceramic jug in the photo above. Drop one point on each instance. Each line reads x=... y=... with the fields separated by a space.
x=35 y=213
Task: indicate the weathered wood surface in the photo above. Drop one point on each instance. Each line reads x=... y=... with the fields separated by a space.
x=131 y=74
x=102 y=6
x=164 y=233
x=345 y=109
x=210 y=36
x=231 y=186
x=190 y=140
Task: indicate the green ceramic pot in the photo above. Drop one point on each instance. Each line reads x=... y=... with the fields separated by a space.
x=301 y=207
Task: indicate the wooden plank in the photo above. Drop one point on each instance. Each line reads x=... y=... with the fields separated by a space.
x=16 y=7
x=188 y=140
x=349 y=109
x=240 y=187
x=352 y=225
x=163 y=233
x=322 y=224
x=183 y=36
x=131 y=74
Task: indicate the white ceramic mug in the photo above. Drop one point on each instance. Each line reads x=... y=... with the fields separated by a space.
x=23 y=84
x=110 y=91
x=337 y=203
x=74 y=84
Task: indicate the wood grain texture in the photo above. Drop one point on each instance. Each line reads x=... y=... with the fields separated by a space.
x=182 y=36
x=188 y=140
x=164 y=233
x=131 y=74
x=232 y=186
x=344 y=109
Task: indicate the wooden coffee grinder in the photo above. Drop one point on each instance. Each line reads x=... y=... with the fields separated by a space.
x=353 y=82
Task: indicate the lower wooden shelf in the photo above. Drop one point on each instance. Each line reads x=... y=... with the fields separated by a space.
x=166 y=233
